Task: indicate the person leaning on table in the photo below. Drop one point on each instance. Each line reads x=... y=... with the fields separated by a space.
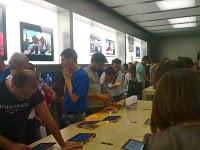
x=18 y=96
x=175 y=118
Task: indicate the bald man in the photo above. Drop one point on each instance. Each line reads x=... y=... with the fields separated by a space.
x=19 y=95
x=18 y=62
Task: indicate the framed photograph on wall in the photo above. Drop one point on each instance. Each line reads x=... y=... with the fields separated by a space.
x=3 y=45
x=130 y=43
x=36 y=42
x=110 y=47
x=95 y=44
x=137 y=52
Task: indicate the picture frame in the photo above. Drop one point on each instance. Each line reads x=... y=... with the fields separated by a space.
x=130 y=43
x=110 y=47
x=95 y=44
x=137 y=52
x=3 y=41
x=36 y=42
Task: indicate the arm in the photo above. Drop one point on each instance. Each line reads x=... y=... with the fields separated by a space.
x=102 y=98
x=47 y=118
x=9 y=145
x=44 y=114
x=73 y=96
x=67 y=76
x=102 y=78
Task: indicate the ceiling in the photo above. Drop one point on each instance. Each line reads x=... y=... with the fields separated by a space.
x=147 y=14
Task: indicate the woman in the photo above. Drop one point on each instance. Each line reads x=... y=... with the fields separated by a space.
x=175 y=119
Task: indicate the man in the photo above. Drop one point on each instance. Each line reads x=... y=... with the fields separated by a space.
x=95 y=98
x=18 y=96
x=140 y=71
x=76 y=84
x=117 y=86
x=18 y=62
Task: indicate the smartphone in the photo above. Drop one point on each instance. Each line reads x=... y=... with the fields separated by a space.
x=43 y=146
x=82 y=138
x=112 y=118
x=133 y=145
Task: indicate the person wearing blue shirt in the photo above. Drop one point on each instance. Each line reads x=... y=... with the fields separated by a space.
x=76 y=88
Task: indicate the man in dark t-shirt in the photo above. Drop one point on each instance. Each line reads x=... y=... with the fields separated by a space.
x=18 y=95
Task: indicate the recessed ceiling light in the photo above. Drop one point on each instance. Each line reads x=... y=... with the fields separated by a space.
x=182 y=20
x=184 y=25
x=175 y=4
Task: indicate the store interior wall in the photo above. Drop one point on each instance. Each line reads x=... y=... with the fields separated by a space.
x=95 y=11
x=179 y=45
x=82 y=29
x=20 y=11
x=121 y=40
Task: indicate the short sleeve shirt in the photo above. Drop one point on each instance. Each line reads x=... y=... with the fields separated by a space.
x=80 y=84
x=14 y=114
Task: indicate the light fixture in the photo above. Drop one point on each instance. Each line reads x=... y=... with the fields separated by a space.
x=175 y=4
x=182 y=20
x=184 y=25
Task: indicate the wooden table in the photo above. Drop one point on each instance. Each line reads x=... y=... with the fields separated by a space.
x=116 y=133
x=148 y=93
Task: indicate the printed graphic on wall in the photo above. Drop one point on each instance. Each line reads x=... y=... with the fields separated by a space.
x=36 y=42
x=95 y=44
x=130 y=43
x=110 y=47
x=137 y=52
x=3 y=48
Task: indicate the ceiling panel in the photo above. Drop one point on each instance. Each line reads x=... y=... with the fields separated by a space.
x=146 y=14
x=153 y=23
x=137 y=9
x=171 y=31
x=165 y=15
x=114 y=3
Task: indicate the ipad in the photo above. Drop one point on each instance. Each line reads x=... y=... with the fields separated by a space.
x=112 y=118
x=133 y=145
x=82 y=138
x=43 y=146
x=88 y=124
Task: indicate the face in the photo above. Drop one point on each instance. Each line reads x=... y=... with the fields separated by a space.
x=109 y=78
x=66 y=62
x=99 y=66
x=25 y=92
x=116 y=67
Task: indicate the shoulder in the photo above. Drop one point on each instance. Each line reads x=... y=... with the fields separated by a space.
x=36 y=98
x=80 y=73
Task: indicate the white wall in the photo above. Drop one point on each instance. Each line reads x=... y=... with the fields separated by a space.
x=131 y=56
x=179 y=45
x=82 y=29
x=17 y=11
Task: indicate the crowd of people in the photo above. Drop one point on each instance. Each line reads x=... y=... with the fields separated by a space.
x=79 y=92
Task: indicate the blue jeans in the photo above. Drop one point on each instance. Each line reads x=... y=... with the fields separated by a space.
x=68 y=119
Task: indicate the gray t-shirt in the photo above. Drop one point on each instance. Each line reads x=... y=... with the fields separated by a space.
x=94 y=88
x=176 y=137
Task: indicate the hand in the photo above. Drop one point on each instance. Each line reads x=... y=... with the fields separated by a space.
x=72 y=146
x=19 y=146
x=67 y=73
x=105 y=99
x=117 y=84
